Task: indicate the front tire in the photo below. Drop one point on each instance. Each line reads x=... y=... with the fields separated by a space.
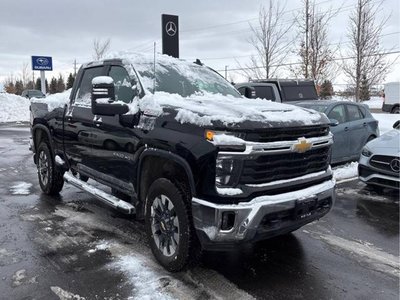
x=50 y=177
x=168 y=225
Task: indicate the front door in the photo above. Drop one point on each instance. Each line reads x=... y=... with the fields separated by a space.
x=79 y=119
x=114 y=138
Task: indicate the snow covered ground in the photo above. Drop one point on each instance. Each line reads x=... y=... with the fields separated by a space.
x=375 y=102
x=386 y=121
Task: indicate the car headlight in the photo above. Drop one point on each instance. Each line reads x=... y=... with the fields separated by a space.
x=227 y=171
x=366 y=152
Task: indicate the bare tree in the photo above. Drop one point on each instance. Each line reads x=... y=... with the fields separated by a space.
x=316 y=55
x=271 y=41
x=25 y=74
x=368 y=59
x=100 y=48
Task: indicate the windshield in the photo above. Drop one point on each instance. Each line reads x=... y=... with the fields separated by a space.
x=36 y=94
x=185 y=79
x=319 y=108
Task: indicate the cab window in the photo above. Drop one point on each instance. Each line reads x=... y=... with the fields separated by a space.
x=85 y=87
x=123 y=84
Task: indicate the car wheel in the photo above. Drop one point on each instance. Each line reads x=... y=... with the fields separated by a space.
x=168 y=225
x=50 y=176
x=396 y=110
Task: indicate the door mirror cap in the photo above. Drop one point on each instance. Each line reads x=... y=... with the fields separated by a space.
x=103 y=98
x=333 y=122
x=250 y=92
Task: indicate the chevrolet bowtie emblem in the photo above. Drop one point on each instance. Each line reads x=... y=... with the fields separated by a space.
x=301 y=146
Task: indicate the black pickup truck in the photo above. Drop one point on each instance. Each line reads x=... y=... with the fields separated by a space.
x=175 y=144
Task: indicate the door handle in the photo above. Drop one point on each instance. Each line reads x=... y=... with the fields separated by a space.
x=346 y=129
x=365 y=124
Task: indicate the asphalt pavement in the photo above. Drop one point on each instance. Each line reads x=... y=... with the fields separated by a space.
x=74 y=247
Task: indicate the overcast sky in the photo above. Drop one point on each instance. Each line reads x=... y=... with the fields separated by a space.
x=217 y=32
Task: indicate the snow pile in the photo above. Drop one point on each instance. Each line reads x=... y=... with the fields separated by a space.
x=13 y=108
x=345 y=172
x=374 y=103
x=386 y=121
x=55 y=100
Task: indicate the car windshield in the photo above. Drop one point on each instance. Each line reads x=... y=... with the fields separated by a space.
x=317 y=107
x=36 y=94
x=186 y=79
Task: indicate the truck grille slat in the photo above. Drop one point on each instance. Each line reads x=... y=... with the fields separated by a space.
x=287 y=134
x=268 y=168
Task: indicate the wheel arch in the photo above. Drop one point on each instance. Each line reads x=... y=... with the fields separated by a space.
x=39 y=133
x=167 y=164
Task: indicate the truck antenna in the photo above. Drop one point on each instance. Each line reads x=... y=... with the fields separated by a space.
x=154 y=69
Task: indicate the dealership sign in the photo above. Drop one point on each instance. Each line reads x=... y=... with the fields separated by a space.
x=170 y=35
x=42 y=63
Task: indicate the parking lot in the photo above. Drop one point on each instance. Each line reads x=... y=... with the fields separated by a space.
x=73 y=247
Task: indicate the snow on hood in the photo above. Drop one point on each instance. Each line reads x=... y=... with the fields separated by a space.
x=204 y=109
x=389 y=140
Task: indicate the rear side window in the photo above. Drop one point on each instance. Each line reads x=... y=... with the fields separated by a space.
x=265 y=92
x=338 y=113
x=299 y=92
x=85 y=87
x=354 y=113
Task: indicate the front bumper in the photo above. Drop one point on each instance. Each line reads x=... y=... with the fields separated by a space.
x=262 y=217
x=374 y=176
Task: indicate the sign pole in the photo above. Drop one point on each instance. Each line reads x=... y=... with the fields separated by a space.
x=43 y=82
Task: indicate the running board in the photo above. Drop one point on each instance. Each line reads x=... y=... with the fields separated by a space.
x=115 y=202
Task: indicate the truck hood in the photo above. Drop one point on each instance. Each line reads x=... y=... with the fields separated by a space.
x=219 y=111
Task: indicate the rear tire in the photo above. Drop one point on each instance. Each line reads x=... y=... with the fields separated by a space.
x=169 y=228
x=50 y=176
x=396 y=110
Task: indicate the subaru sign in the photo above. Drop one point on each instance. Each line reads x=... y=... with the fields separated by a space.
x=42 y=63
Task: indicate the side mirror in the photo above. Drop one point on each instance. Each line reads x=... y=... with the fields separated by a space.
x=103 y=97
x=396 y=124
x=250 y=92
x=333 y=122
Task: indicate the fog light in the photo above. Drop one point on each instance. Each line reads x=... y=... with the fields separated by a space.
x=228 y=220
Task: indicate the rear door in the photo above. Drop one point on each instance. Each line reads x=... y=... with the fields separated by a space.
x=340 y=148
x=357 y=128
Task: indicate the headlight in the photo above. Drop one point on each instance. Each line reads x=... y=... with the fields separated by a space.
x=366 y=152
x=226 y=171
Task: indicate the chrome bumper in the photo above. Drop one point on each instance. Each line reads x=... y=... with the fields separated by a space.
x=207 y=216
